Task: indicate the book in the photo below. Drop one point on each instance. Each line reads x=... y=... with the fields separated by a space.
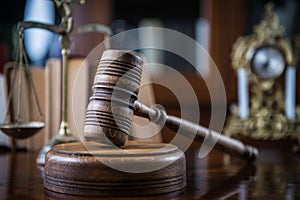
x=78 y=87
x=4 y=140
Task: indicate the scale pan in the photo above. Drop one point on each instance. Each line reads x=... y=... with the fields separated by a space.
x=22 y=130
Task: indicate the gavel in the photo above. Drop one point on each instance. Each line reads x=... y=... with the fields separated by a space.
x=115 y=101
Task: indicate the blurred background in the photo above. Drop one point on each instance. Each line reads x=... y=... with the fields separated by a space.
x=215 y=24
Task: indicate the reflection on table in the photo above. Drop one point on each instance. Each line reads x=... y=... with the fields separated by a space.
x=276 y=174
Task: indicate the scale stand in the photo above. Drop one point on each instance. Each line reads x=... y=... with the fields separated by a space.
x=64 y=30
x=19 y=124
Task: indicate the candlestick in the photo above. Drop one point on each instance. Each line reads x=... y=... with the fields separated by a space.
x=243 y=94
x=290 y=96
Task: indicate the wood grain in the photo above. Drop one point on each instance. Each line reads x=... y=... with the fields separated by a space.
x=72 y=169
x=109 y=113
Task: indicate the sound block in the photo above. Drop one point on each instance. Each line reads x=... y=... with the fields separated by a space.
x=104 y=170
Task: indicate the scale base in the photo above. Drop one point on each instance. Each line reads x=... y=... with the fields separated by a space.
x=72 y=169
x=58 y=139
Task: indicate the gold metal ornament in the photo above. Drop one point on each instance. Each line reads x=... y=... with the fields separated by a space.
x=267 y=119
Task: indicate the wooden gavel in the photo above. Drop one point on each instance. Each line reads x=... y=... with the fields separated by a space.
x=114 y=101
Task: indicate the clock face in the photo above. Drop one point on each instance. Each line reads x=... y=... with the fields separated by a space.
x=267 y=62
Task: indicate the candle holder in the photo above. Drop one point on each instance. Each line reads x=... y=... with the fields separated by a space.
x=265 y=62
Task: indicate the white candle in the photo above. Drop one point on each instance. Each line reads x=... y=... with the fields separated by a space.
x=243 y=94
x=290 y=93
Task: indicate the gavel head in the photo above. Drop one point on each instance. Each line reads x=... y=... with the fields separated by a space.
x=109 y=113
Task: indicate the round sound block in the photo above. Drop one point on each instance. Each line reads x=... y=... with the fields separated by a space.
x=140 y=169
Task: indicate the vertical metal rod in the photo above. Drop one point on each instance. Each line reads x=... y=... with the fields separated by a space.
x=64 y=127
x=65 y=54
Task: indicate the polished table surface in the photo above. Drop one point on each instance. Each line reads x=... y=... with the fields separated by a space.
x=275 y=175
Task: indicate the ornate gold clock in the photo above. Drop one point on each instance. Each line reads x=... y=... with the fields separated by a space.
x=265 y=65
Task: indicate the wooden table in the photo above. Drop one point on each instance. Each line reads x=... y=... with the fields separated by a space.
x=275 y=175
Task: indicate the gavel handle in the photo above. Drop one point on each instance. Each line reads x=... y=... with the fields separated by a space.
x=197 y=132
